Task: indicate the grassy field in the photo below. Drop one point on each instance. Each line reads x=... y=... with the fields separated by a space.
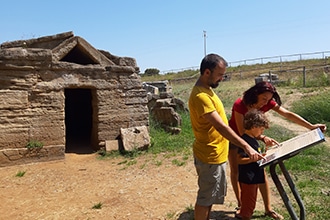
x=310 y=169
x=308 y=97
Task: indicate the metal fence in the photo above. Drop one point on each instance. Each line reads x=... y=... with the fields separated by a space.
x=282 y=58
x=299 y=76
x=263 y=60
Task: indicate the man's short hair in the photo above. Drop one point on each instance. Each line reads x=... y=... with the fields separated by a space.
x=210 y=61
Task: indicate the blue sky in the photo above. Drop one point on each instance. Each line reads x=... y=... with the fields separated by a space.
x=168 y=34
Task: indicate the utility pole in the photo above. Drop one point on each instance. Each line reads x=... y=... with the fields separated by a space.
x=204 y=34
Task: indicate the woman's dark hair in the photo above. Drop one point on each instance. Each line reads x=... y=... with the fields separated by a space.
x=250 y=96
x=255 y=118
x=210 y=61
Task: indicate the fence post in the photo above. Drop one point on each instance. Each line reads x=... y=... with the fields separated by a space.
x=270 y=76
x=304 y=76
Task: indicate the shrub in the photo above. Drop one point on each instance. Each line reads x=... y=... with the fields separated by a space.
x=315 y=109
x=34 y=144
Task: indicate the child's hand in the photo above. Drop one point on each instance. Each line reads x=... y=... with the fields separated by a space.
x=269 y=141
x=261 y=156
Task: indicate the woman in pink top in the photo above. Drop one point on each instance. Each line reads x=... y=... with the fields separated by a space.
x=263 y=97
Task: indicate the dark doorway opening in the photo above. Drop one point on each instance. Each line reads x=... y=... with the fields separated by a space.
x=78 y=120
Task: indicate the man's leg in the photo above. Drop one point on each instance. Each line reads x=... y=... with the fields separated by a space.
x=212 y=187
x=202 y=212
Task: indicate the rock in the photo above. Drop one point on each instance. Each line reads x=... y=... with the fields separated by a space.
x=135 y=138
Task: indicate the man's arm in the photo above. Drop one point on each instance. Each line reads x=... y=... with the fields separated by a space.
x=230 y=134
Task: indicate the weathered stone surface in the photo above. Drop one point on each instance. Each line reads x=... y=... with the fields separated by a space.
x=9 y=157
x=135 y=138
x=34 y=75
x=163 y=86
x=26 y=57
x=179 y=105
x=111 y=145
x=150 y=89
x=67 y=45
x=166 y=116
x=13 y=99
x=163 y=106
x=120 y=61
x=172 y=130
x=47 y=42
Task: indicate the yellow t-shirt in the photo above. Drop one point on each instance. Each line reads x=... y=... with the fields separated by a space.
x=209 y=145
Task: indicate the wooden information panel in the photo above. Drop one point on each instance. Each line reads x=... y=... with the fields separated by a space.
x=292 y=146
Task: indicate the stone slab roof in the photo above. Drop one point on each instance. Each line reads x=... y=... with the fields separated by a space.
x=74 y=49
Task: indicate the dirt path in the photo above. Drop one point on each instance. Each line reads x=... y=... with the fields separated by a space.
x=69 y=189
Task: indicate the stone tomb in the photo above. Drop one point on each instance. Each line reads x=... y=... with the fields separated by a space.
x=61 y=93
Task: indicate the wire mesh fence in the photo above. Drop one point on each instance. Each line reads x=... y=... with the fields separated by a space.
x=301 y=73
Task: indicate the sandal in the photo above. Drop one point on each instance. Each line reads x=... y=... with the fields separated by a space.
x=238 y=216
x=274 y=215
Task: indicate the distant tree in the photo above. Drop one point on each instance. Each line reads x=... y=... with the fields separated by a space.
x=151 y=72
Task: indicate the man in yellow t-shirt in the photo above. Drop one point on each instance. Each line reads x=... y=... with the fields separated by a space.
x=211 y=130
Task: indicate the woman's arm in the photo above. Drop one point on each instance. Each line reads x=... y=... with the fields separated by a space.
x=298 y=119
x=239 y=122
x=243 y=160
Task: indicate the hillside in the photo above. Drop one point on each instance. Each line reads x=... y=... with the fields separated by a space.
x=285 y=70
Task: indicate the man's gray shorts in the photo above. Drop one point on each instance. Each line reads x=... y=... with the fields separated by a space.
x=211 y=182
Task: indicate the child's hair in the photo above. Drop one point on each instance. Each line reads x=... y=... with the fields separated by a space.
x=255 y=118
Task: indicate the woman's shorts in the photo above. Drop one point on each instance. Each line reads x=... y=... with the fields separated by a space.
x=211 y=182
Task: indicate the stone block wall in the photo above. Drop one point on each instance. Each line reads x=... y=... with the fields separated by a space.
x=32 y=103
